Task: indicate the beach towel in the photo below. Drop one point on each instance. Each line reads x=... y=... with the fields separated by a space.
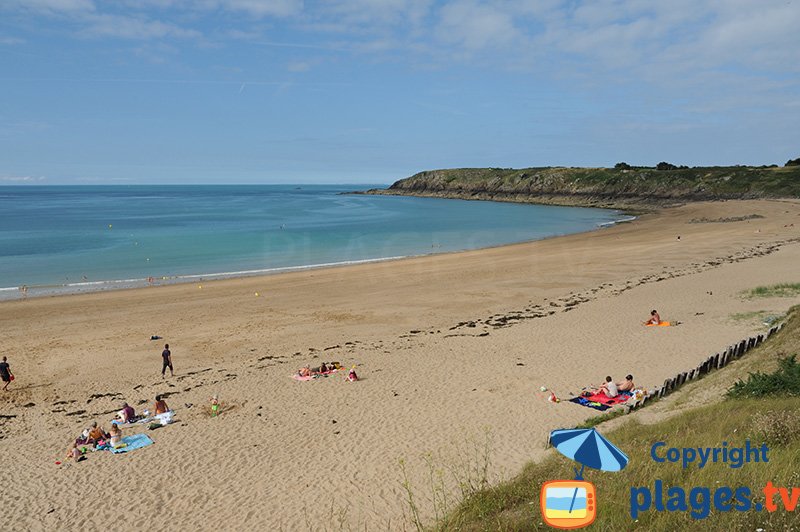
x=133 y=442
x=599 y=401
x=660 y=324
x=312 y=377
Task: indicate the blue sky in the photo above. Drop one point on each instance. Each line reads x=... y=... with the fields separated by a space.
x=370 y=91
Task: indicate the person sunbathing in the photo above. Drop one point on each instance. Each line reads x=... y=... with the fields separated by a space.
x=655 y=319
x=323 y=368
x=352 y=377
x=161 y=406
x=84 y=437
x=116 y=435
x=305 y=371
x=96 y=434
x=627 y=385
x=609 y=388
x=127 y=414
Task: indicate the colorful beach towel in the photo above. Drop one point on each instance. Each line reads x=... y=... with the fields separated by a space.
x=599 y=401
x=133 y=442
x=312 y=377
x=660 y=324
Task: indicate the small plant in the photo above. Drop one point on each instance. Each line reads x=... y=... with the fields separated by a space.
x=412 y=504
x=777 y=427
x=462 y=477
x=783 y=381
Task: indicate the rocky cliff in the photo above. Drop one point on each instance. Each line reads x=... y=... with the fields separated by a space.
x=632 y=188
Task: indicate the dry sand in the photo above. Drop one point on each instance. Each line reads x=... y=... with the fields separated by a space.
x=450 y=347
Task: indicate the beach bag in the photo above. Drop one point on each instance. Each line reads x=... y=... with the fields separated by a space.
x=10 y=377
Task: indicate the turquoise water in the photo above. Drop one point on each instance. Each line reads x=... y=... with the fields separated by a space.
x=55 y=239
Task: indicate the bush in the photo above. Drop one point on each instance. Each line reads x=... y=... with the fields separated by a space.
x=665 y=166
x=783 y=381
x=793 y=162
x=622 y=166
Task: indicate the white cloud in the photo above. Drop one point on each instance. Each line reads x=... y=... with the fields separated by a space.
x=22 y=179
x=49 y=6
x=298 y=66
x=128 y=27
x=475 y=26
x=10 y=41
x=263 y=8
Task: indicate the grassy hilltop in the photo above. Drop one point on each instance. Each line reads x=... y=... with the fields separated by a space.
x=621 y=187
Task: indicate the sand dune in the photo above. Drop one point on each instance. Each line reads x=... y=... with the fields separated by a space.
x=451 y=348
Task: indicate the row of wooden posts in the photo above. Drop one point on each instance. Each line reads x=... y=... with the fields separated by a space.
x=716 y=361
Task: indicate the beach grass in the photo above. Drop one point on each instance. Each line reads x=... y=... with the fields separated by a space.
x=772 y=419
x=774 y=290
x=749 y=316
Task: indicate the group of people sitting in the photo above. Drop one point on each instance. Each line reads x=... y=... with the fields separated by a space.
x=612 y=389
x=95 y=436
x=128 y=414
x=325 y=369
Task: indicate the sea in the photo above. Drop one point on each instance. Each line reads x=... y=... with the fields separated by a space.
x=65 y=239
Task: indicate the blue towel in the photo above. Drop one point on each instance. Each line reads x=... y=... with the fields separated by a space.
x=136 y=441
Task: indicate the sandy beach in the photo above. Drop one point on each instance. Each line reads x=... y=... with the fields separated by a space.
x=451 y=349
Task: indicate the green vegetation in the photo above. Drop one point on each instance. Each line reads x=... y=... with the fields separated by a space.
x=772 y=418
x=623 y=185
x=783 y=381
x=749 y=316
x=602 y=418
x=775 y=290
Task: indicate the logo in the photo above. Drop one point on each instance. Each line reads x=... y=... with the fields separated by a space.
x=568 y=503
x=573 y=503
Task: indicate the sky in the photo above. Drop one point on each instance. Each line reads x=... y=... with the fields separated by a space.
x=371 y=91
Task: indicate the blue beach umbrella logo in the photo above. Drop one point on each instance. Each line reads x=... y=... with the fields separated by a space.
x=573 y=503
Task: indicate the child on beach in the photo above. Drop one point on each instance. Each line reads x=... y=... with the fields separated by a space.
x=214 y=405
x=74 y=453
x=352 y=377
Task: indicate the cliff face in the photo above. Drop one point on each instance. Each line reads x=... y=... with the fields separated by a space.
x=637 y=188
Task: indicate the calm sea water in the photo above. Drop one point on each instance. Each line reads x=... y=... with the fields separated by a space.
x=55 y=239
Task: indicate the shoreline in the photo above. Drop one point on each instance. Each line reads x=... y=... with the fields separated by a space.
x=450 y=347
x=13 y=293
x=632 y=207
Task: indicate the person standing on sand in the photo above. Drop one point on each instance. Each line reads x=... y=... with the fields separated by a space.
x=5 y=373
x=166 y=354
